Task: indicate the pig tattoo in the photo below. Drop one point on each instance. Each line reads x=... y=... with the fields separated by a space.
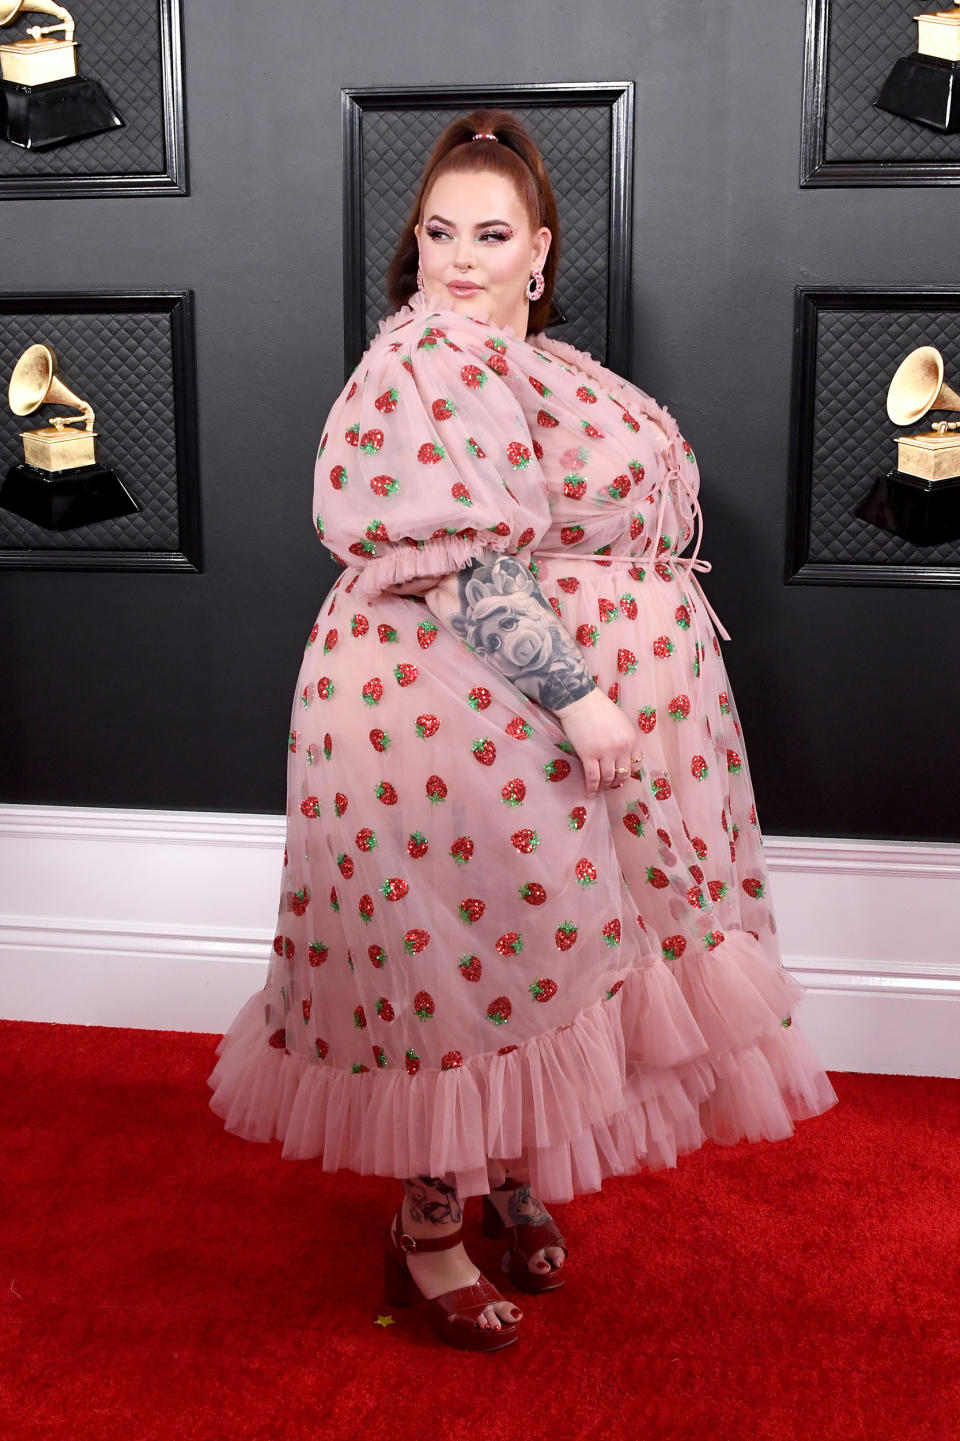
x=505 y=617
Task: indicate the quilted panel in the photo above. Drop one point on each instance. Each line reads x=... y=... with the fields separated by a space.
x=865 y=38
x=118 y=44
x=121 y=363
x=853 y=438
x=575 y=142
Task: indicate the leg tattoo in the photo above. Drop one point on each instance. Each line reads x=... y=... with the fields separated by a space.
x=431 y=1198
x=525 y=1210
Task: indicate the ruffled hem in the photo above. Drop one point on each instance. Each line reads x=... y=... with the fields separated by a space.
x=438 y=556
x=631 y=1084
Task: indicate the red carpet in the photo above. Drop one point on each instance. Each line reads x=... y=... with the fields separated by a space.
x=162 y=1279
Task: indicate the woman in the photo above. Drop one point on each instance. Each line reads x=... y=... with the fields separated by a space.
x=524 y=939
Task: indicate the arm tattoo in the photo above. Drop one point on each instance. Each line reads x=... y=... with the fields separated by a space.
x=505 y=617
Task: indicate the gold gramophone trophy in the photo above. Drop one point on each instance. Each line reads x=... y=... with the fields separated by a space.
x=59 y=483
x=43 y=101
x=925 y=85
x=920 y=500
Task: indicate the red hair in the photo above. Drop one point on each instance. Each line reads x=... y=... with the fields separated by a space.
x=514 y=155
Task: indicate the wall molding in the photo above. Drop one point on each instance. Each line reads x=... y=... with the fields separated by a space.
x=164 y=920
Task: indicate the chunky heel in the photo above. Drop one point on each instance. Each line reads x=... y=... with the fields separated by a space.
x=398 y=1285
x=490 y=1222
x=525 y=1241
x=455 y=1314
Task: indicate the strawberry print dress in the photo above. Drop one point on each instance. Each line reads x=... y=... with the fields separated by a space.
x=475 y=962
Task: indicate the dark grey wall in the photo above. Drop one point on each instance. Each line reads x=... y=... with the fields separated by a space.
x=174 y=690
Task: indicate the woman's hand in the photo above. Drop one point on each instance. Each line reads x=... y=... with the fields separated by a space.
x=602 y=737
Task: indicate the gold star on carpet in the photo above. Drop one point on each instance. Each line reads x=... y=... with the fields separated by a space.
x=384 y=1321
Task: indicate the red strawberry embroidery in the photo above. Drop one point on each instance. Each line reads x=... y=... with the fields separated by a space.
x=299 y=901
x=412 y=1062
x=436 y=789
x=586 y=872
x=462 y=850
x=656 y=878
x=557 y=770
x=753 y=887
x=379 y=739
x=633 y=823
x=470 y=968
x=626 y=661
x=525 y=841
x=386 y=634
x=510 y=944
x=384 y=1009
x=460 y=493
x=417 y=845
x=699 y=768
x=317 y=953
x=663 y=647
x=371 y=441
x=366 y=839
x=519 y=729
x=570 y=534
x=423 y=1005
x=394 y=888
x=479 y=698
x=387 y=402
x=325 y=687
x=365 y=908
x=660 y=787
x=427 y=726
x=311 y=808
x=442 y=409
x=577 y=818
x=682 y=616
x=607 y=610
x=378 y=956
x=514 y=792
x=569 y=584
x=359 y=1019
x=450 y=1060
x=322 y=1047
x=430 y=453
x=628 y=606
x=426 y=634
x=415 y=941
x=565 y=935
x=338 y=477
x=499 y=1010
x=679 y=707
x=734 y=763
x=545 y=419
x=498 y=365
x=611 y=933
x=384 y=484
x=330 y=640
x=471 y=909
x=386 y=793
x=484 y=751
x=533 y=893
x=345 y=865
x=359 y=625
x=372 y=691
x=587 y=635
x=673 y=947
x=472 y=376
x=588 y=396
x=717 y=889
x=539 y=386
x=405 y=673
x=543 y=989
x=518 y=455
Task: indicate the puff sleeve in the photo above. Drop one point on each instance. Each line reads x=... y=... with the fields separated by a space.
x=427 y=457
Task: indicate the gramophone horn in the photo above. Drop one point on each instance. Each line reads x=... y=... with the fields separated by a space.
x=34 y=383
x=918 y=386
x=8 y=10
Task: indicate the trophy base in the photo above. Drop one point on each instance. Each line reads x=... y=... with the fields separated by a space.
x=36 y=117
x=926 y=89
x=66 y=498
x=922 y=511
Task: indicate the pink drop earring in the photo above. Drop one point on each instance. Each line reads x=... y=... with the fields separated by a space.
x=420 y=279
x=536 y=280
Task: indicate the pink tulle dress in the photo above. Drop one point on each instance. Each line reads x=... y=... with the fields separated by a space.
x=476 y=963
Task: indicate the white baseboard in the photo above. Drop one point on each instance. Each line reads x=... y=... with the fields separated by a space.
x=164 y=919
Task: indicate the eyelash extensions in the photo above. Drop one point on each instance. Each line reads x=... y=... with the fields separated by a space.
x=498 y=235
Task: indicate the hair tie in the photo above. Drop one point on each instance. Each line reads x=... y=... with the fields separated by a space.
x=484 y=135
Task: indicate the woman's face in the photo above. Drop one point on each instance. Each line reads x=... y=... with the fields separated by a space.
x=477 y=248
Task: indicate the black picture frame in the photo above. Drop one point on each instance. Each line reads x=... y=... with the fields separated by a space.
x=171 y=178
x=876 y=557
x=616 y=97
x=180 y=429
x=830 y=75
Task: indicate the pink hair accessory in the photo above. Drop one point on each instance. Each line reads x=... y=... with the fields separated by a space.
x=484 y=135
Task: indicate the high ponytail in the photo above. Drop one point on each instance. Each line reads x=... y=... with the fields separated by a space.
x=514 y=155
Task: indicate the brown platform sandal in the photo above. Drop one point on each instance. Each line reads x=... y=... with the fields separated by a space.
x=454 y=1314
x=525 y=1241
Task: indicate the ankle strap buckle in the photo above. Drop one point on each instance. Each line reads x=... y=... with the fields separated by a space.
x=403 y=1239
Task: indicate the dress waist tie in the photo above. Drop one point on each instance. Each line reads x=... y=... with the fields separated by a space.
x=692 y=563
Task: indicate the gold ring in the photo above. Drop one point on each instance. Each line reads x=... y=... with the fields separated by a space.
x=621 y=770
